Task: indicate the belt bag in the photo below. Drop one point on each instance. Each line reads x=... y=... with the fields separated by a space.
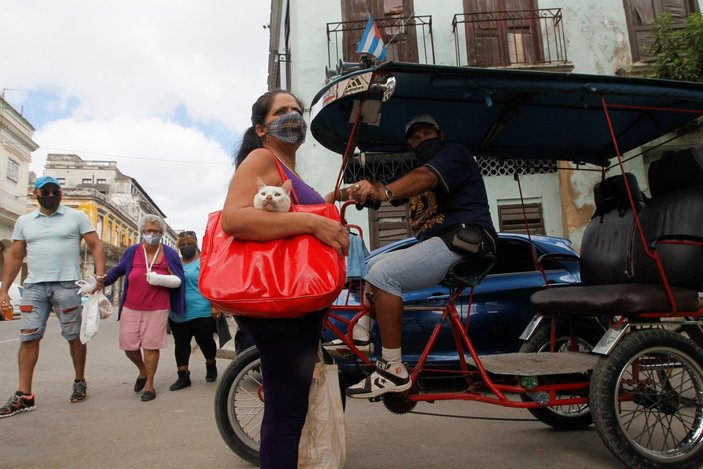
x=281 y=278
x=467 y=239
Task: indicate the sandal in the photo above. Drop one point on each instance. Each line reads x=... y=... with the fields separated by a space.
x=139 y=384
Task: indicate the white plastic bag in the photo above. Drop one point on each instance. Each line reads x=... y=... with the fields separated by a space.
x=323 y=440
x=97 y=307
x=104 y=306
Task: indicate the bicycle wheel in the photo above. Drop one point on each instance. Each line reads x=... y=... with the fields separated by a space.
x=564 y=417
x=647 y=400
x=239 y=407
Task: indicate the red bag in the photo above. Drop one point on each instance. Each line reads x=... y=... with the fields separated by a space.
x=281 y=278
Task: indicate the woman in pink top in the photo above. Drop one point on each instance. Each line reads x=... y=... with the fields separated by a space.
x=153 y=285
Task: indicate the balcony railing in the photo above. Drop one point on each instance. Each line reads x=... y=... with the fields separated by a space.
x=510 y=38
x=407 y=39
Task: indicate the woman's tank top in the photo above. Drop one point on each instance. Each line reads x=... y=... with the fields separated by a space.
x=306 y=194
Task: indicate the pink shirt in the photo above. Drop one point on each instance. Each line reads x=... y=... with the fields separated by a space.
x=142 y=296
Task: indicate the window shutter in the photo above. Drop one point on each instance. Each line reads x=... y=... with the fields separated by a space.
x=512 y=219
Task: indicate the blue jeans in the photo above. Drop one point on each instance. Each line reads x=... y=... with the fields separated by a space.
x=419 y=266
x=39 y=299
x=288 y=350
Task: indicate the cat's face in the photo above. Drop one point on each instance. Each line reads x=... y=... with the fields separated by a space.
x=273 y=198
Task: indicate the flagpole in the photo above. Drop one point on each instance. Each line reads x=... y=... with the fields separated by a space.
x=402 y=26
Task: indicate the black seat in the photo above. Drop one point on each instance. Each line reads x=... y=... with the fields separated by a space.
x=676 y=184
x=469 y=271
x=619 y=278
x=607 y=241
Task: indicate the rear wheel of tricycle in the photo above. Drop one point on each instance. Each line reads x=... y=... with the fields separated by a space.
x=239 y=405
x=565 y=417
x=647 y=400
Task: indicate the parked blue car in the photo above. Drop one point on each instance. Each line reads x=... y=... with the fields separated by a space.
x=500 y=309
x=501 y=306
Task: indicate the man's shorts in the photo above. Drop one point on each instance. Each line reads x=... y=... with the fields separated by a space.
x=39 y=299
x=419 y=266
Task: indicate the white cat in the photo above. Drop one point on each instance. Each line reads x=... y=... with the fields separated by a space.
x=273 y=198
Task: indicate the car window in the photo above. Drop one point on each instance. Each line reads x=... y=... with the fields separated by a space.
x=514 y=256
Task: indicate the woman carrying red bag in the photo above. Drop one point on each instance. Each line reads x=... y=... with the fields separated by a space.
x=288 y=346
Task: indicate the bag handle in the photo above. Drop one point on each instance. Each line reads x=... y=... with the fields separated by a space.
x=284 y=178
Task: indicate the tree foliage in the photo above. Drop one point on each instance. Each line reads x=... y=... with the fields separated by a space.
x=678 y=53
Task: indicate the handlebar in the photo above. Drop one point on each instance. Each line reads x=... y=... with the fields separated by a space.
x=372 y=204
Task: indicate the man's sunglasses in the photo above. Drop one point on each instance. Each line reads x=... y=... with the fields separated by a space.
x=48 y=192
x=186 y=233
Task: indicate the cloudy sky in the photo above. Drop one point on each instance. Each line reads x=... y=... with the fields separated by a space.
x=163 y=87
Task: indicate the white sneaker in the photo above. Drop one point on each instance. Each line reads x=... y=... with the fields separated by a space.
x=388 y=377
x=339 y=349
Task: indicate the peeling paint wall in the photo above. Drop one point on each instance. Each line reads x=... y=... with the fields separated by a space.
x=576 y=201
x=596 y=35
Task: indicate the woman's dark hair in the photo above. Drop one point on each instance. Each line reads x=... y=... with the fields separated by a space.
x=259 y=110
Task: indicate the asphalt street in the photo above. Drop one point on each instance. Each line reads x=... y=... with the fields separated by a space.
x=114 y=429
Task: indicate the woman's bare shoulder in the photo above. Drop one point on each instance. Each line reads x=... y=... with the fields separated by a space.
x=259 y=163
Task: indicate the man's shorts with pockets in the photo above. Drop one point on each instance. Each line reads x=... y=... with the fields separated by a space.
x=39 y=299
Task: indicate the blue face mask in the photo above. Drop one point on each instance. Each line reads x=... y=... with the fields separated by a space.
x=289 y=128
x=152 y=238
x=426 y=150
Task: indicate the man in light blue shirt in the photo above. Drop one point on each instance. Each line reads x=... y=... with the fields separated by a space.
x=50 y=238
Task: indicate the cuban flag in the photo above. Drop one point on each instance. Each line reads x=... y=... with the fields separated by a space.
x=371 y=42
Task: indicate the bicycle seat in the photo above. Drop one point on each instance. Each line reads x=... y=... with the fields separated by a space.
x=469 y=271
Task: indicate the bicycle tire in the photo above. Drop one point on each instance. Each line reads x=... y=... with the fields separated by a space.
x=646 y=398
x=238 y=407
x=566 y=417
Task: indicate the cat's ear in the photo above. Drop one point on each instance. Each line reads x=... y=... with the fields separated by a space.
x=287 y=186
x=260 y=183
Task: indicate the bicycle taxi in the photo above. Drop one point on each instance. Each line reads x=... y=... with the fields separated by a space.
x=641 y=384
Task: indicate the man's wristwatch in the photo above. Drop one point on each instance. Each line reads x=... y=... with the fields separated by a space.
x=389 y=193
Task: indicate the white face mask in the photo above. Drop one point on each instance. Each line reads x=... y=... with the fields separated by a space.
x=152 y=238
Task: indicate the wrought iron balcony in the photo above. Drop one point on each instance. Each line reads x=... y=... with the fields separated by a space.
x=407 y=39
x=510 y=38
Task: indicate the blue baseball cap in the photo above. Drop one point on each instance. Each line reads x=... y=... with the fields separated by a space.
x=44 y=180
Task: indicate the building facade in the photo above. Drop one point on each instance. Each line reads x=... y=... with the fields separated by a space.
x=113 y=201
x=311 y=40
x=16 y=146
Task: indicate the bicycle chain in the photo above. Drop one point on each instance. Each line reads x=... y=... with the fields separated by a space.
x=472 y=417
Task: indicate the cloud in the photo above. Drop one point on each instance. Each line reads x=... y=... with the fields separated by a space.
x=139 y=57
x=137 y=81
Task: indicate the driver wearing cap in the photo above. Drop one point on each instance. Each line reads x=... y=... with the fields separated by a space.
x=447 y=194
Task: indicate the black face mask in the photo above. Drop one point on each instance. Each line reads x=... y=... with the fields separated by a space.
x=188 y=252
x=49 y=202
x=427 y=149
